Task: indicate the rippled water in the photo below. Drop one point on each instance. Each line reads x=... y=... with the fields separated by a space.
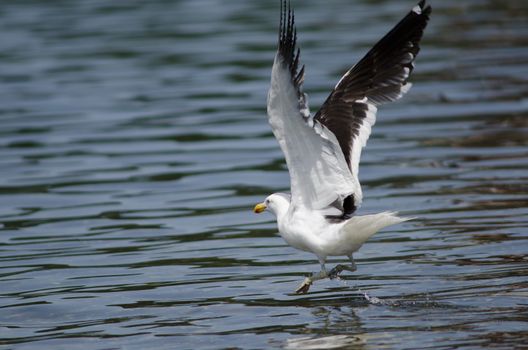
x=134 y=144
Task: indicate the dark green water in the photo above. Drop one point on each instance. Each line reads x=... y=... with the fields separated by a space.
x=134 y=144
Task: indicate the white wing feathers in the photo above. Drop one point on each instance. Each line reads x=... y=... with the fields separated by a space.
x=323 y=152
x=318 y=171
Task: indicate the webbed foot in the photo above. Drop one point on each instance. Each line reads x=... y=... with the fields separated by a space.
x=334 y=273
x=304 y=287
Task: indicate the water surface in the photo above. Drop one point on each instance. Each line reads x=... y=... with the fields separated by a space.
x=134 y=144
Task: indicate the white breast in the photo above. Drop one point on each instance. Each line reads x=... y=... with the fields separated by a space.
x=304 y=230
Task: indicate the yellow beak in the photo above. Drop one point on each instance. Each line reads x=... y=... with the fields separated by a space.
x=259 y=208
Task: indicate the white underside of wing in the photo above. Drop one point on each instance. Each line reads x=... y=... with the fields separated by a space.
x=357 y=145
x=319 y=174
x=361 y=139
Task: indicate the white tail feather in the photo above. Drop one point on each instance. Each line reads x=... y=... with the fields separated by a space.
x=359 y=229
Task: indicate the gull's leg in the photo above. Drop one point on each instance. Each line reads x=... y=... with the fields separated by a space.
x=305 y=286
x=334 y=273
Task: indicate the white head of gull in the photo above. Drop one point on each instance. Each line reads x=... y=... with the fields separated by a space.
x=323 y=151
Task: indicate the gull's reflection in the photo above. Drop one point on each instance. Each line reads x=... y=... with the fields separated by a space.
x=326 y=342
x=335 y=327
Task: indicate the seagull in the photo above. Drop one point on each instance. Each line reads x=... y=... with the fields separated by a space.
x=322 y=151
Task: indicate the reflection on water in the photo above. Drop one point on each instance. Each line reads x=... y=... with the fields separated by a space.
x=329 y=342
x=134 y=143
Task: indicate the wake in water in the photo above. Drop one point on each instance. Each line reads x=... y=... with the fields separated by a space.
x=421 y=301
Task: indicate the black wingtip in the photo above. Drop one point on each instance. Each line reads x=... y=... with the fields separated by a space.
x=287 y=32
x=288 y=42
x=425 y=9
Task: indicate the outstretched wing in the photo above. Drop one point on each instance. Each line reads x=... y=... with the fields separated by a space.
x=319 y=175
x=379 y=77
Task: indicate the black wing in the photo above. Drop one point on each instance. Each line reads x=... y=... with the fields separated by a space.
x=379 y=77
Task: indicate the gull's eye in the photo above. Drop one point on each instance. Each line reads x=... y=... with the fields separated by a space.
x=267 y=201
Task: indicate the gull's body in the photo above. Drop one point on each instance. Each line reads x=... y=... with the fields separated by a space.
x=310 y=231
x=323 y=151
